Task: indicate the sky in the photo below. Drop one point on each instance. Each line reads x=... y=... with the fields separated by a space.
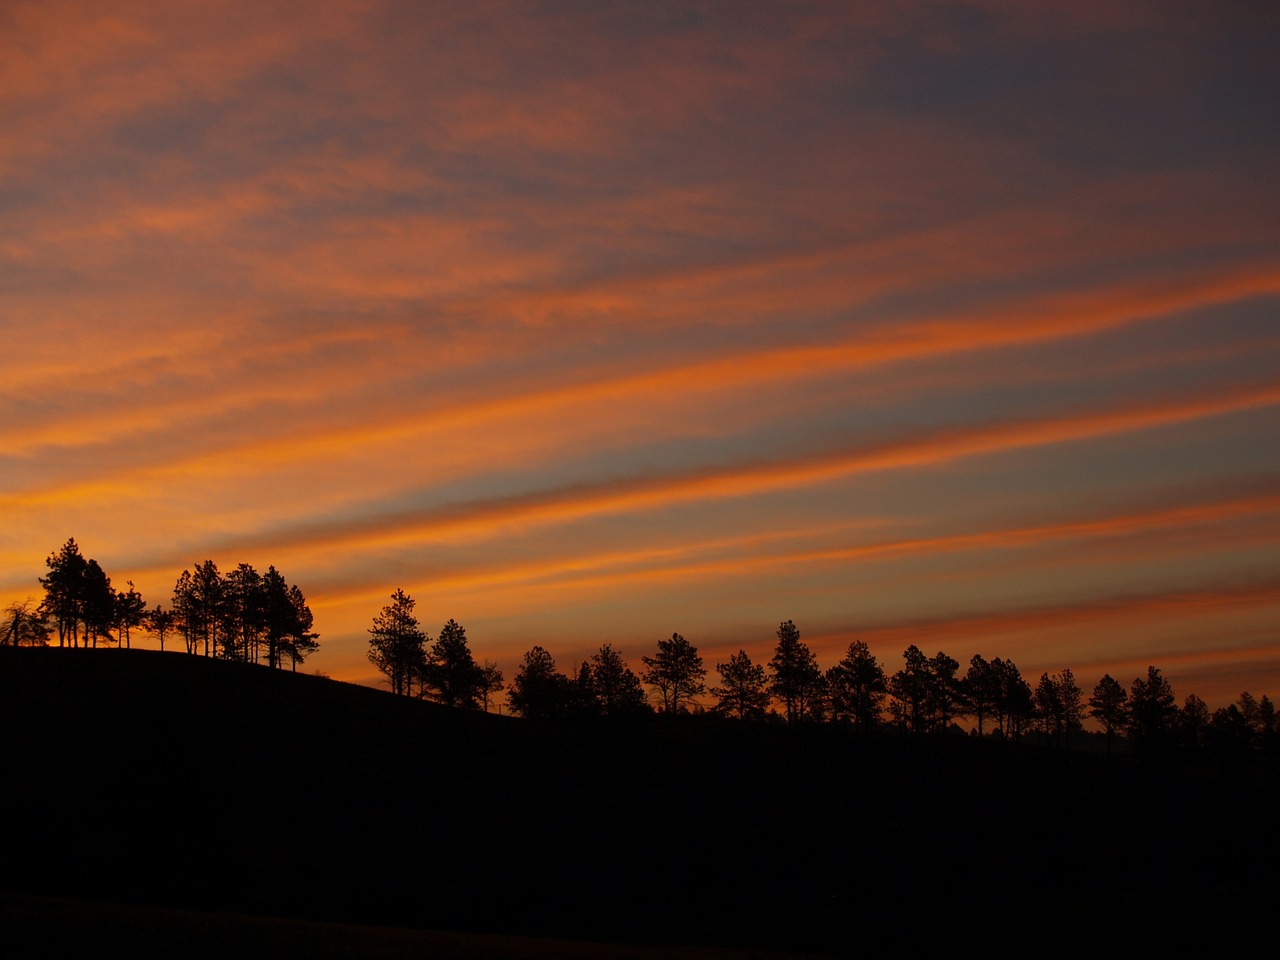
x=954 y=324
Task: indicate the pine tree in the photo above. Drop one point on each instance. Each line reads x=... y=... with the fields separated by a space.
x=452 y=675
x=676 y=672
x=538 y=690
x=64 y=591
x=131 y=612
x=744 y=689
x=491 y=682
x=979 y=690
x=796 y=678
x=396 y=644
x=857 y=686
x=615 y=686
x=1152 y=711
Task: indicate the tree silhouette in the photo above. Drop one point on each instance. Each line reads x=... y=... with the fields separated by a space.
x=64 y=591
x=491 y=682
x=1070 y=702
x=1268 y=722
x=1193 y=722
x=616 y=690
x=944 y=690
x=856 y=687
x=296 y=641
x=1059 y=706
x=1244 y=726
x=909 y=688
x=1152 y=711
x=538 y=689
x=451 y=674
x=979 y=690
x=97 y=604
x=242 y=613
x=396 y=645
x=131 y=612
x=676 y=672
x=926 y=692
x=160 y=621
x=1013 y=703
x=796 y=681
x=24 y=625
x=285 y=620
x=743 y=690
x=1108 y=707
x=580 y=693
x=198 y=599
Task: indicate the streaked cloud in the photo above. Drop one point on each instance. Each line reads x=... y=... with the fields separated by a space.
x=586 y=318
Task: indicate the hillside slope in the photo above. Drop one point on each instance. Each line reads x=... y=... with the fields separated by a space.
x=176 y=781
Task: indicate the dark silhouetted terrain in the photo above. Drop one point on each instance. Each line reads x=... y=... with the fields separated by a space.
x=170 y=781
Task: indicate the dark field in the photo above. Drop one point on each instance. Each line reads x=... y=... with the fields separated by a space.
x=163 y=783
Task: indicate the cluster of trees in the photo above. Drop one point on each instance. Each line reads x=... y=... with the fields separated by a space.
x=927 y=694
x=259 y=617
x=79 y=604
x=244 y=615
x=601 y=686
x=415 y=665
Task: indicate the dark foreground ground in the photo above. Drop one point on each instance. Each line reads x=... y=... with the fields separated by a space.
x=138 y=786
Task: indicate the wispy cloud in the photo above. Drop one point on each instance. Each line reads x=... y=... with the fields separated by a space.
x=602 y=297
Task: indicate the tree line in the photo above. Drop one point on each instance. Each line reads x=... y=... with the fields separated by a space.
x=241 y=615
x=442 y=669
x=261 y=618
x=926 y=695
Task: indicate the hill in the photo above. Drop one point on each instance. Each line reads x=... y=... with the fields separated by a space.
x=178 y=782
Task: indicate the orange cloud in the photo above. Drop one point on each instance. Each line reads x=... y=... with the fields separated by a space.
x=991 y=626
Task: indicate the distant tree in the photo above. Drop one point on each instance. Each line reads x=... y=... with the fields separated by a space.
x=1268 y=722
x=676 y=672
x=452 y=675
x=1152 y=711
x=538 y=689
x=181 y=609
x=160 y=621
x=944 y=690
x=744 y=688
x=909 y=688
x=396 y=644
x=491 y=682
x=616 y=688
x=1045 y=698
x=130 y=614
x=1013 y=703
x=64 y=591
x=1257 y=719
x=299 y=641
x=856 y=687
x=926 y=692
x=1059 y=705
x=580 y=694
x=24 y=625
x=1229 y=733
x=1248 y=707
x=98 y=604
x=198 y=599
x=979 y=690
x=1108 y=706
x=1193 y=722
x=284 y=621
x=243 y=613
x=796 y=679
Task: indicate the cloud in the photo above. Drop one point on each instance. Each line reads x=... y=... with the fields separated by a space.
x=619 y=288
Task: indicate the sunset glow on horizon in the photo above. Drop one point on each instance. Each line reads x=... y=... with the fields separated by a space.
x=955 y=324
